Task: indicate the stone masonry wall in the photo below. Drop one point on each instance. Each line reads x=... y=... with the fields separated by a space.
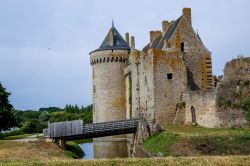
x=109 y=98
x=204 y=103
x=233 y=91
x=168 y=90
x=140 y=72
x=194 y=51
x=109 y=85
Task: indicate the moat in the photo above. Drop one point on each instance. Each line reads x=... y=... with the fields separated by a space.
x=105 y=149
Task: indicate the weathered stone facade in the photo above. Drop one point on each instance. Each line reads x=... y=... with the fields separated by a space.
x=169 y=81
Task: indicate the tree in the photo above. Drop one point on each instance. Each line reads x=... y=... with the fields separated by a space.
x=7 y=116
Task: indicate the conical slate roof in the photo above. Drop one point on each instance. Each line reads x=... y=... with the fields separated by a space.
x=113 y=41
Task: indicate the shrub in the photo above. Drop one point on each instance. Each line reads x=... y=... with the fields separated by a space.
x=247 y=109
x=12 y=133
x=31 y=126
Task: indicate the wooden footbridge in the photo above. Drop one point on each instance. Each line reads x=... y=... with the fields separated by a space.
x=73 y=130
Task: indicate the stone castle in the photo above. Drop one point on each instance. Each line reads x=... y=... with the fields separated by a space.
x=169 y=81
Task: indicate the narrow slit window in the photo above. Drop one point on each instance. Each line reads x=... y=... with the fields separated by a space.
x=170 y=76
x=182 y=47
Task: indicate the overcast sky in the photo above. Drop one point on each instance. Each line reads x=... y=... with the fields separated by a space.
x=45 y=44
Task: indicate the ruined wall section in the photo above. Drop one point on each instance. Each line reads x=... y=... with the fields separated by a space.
x=204 y=105
x=109 y=85
x=170 y=82
x=233 y=91
x=199 y=72
x=237 y=69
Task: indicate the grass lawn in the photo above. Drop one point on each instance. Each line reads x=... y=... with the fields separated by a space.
x=198 y=141
x=17 y=137
x=40 y=150
x=180 y=161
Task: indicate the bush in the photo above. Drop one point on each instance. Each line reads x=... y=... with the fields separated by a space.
x=75 y=149
x=12 y=133
x=31 y=126
x=247 y=109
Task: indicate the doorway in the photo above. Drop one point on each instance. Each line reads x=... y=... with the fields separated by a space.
x=193 y=114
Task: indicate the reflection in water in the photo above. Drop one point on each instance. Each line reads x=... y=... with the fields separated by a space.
x=106 y=148
x=111 y=149
x=88 y=150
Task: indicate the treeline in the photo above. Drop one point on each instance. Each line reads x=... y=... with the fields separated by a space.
x=31 y=121
x=34 y=121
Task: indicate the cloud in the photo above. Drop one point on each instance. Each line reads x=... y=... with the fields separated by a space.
x=38 y=76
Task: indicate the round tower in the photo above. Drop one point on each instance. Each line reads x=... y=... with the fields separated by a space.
x=109 y=93
x=108 y=62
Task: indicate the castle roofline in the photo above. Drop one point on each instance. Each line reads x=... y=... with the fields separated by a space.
x=159 y=41
x=113 y=41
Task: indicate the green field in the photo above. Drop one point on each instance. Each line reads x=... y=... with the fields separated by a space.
x=178 y=145
x=180 y=161
x=198 y=141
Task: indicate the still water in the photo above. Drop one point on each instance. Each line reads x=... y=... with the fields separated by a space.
x=88 y=150
x=106 y=149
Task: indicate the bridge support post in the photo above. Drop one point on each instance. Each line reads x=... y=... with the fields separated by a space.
x=62 y=144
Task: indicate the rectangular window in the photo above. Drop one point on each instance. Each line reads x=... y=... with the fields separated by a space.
x=170 y=76
x=94 y=88
x=182 y=47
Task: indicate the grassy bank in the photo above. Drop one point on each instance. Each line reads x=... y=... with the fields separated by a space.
x=197 y=141
x=21 y=150
x=209 y=161
x=74 y=150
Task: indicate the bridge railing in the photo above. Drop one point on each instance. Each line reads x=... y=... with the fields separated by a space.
x=110 y=126
x=77 y=128
x=63 y=129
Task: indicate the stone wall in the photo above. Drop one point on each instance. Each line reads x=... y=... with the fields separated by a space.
x=141 y=85
x=109 y=102
x=109 y=85
x=170 y=82
x=204 y=105
x=232 y=92
x=194 y=52
x=237 y=69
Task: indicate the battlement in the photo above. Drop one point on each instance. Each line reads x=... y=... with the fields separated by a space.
x=108 y=60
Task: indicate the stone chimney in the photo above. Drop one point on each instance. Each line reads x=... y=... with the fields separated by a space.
x=132 y=40
x=153 y=35
x=165 y=26
x=127 y=37
x=187 y=13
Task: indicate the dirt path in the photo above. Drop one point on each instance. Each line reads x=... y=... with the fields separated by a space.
x=32 y=138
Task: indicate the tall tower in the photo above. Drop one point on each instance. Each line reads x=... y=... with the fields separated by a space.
x=108 y=62
x=109 y=92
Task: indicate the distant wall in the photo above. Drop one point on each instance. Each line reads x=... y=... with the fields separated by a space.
x=232 y=92
x=204 y=104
